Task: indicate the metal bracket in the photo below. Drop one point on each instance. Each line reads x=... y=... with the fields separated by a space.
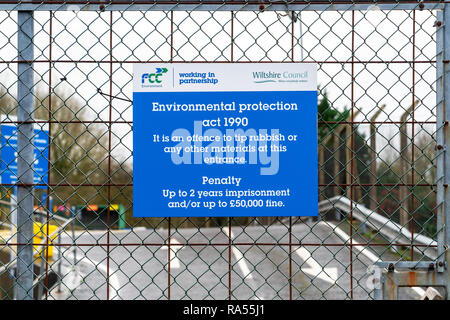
x=395 y=275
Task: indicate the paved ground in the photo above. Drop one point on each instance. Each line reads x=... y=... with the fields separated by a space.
x=202 y=272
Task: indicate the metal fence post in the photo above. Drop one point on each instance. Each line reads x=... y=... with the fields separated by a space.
x=405 y=193
x=442 y=138
x=378 y=280
x=25 y=157
x=446 y=101
x=373 y=160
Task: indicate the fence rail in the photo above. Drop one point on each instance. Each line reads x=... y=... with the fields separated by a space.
x=225 y=5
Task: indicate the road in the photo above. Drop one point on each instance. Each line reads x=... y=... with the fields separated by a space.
x=202 y=272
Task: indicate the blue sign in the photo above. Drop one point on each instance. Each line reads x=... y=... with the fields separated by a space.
x=225 y=140
x=9 y=155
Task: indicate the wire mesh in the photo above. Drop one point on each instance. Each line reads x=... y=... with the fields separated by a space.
x=377 y=151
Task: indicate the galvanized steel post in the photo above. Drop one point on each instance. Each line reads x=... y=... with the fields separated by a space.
x=25 y=156
x=446 y=101
x=405 y=194
x=443 y=137
x=373 y=160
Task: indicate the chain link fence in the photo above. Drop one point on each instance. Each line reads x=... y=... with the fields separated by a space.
x=67 y=229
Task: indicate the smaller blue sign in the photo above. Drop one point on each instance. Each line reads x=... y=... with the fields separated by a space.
x=9 y=155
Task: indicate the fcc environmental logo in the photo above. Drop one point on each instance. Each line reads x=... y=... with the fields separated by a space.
x=155 y=79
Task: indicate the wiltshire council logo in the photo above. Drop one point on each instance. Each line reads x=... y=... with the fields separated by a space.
x=153 y=79
x=286 y=76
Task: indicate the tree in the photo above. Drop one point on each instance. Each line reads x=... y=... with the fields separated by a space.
x=421 y=201
x=327 y=114
x=79 y=150
x=329 y=120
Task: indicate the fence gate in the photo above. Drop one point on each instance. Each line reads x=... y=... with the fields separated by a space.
x=67 y=228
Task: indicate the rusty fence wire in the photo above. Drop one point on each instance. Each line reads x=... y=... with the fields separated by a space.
x=67 y=230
